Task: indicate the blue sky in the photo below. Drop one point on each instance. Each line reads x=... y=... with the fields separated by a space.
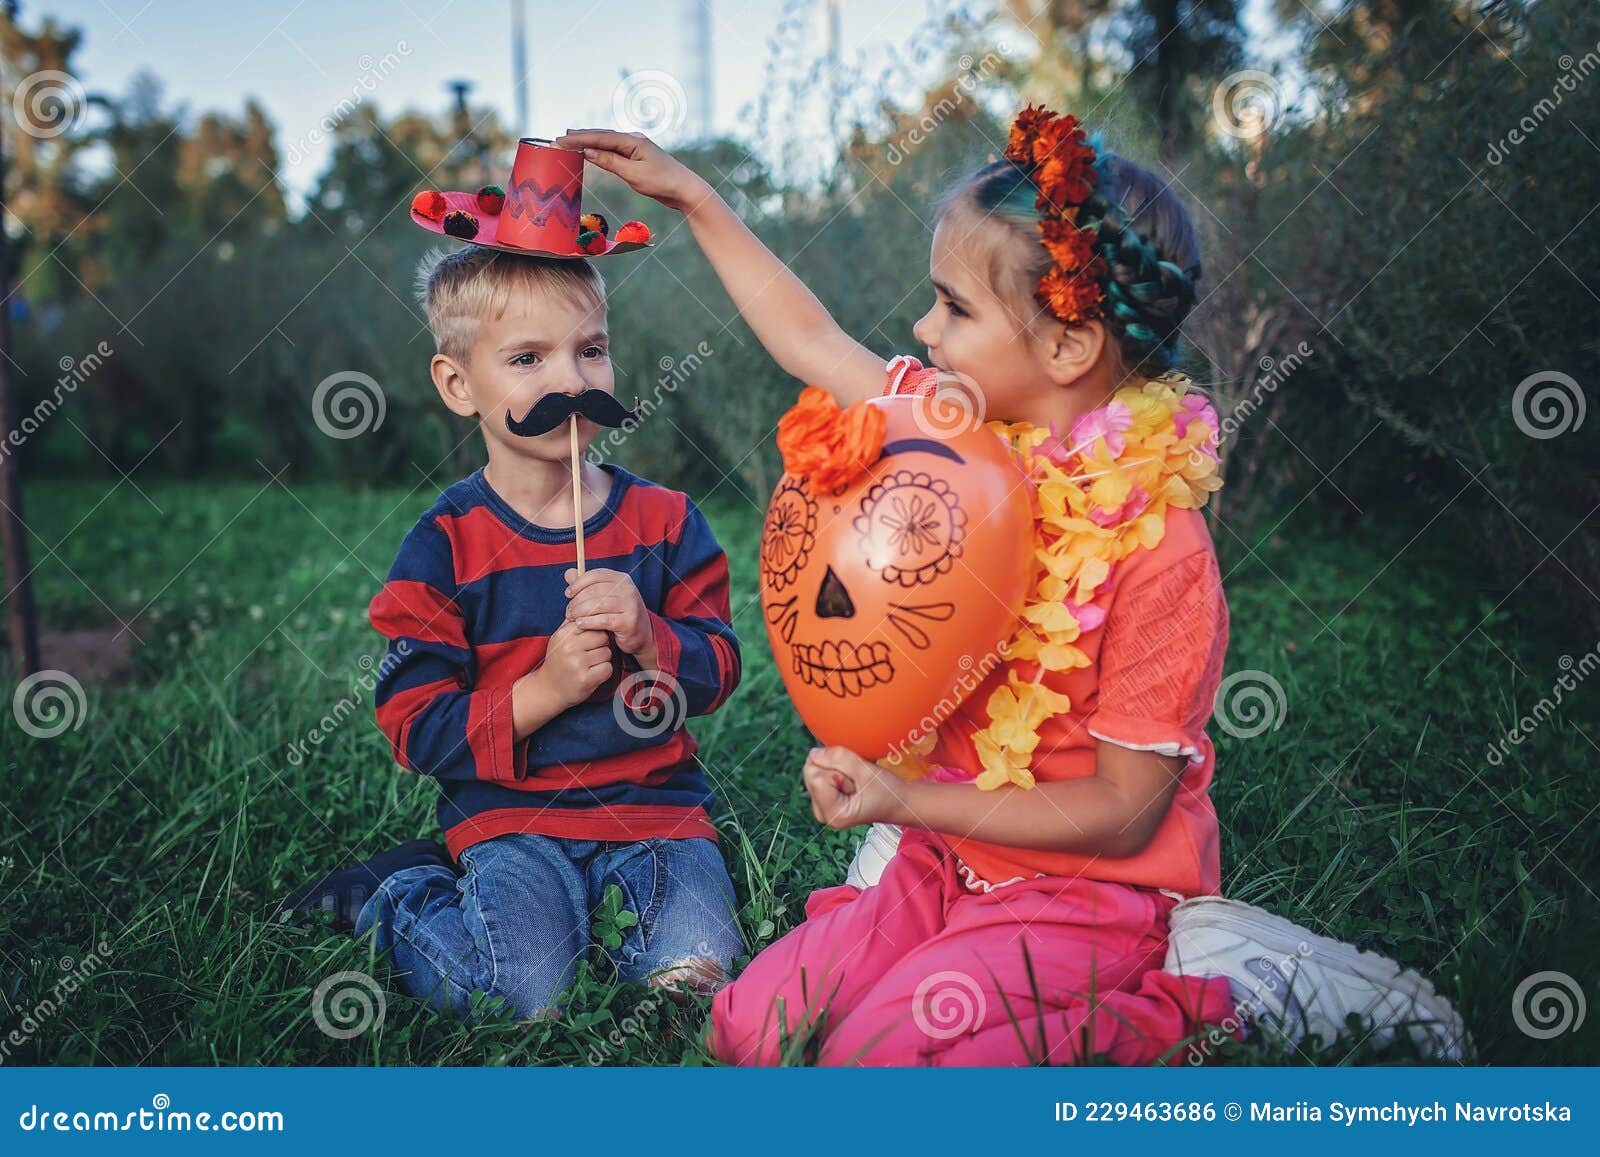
x=302 y=58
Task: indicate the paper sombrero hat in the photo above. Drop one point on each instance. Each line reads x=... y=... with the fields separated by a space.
x=537 y=213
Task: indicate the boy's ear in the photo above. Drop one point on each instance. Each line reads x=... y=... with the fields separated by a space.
x=451 y=382
x=1071 y=351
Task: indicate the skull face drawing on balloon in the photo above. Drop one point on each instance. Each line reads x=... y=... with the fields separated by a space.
x=895 y=555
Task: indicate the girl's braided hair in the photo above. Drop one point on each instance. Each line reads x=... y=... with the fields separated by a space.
x=1141 y=230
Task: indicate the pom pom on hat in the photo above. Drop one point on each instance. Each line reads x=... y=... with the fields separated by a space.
x=491 y=199
x=634 y=232
x=461 y=224
x=592 y=241
x=430 y=204
x=594 y=223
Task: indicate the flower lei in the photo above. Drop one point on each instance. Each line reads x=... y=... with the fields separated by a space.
x=1100 y=493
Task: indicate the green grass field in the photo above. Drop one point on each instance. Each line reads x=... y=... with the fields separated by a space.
x=169 y=821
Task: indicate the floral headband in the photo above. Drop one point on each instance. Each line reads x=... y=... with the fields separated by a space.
x=1061 y=162
x=1056 y=152
x=1101 y=266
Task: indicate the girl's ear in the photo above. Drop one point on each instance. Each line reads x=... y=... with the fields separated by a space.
x=451 y=382
x=1071 y=351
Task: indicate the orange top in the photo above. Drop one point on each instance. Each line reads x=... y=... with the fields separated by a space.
x=1156 y=663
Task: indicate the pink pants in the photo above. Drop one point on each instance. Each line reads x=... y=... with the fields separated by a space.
x=921 y=971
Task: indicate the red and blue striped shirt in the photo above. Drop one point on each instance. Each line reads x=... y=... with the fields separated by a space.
x=470 y=604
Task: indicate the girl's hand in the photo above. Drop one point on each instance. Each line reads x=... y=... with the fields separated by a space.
x=644 y=165
x=847 y=791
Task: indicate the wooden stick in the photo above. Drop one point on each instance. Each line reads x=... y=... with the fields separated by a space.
x=577 y=494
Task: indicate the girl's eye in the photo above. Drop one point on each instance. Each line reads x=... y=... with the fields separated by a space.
x=526 y=359
x=955 y=310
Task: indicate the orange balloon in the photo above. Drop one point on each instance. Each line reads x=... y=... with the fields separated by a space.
x=882 y=598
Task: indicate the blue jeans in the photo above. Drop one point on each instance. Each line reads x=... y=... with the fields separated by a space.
x=517 y=921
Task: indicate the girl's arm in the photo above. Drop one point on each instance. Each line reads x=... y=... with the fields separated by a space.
x=1114 y=812
x=787 y=318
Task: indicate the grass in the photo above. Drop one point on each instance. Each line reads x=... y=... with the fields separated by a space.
x=168 y=823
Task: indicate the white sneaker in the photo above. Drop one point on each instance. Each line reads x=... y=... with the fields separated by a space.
x=1293 y=982
x=873 y=854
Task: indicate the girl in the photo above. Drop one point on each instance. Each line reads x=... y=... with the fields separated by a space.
x=1055 y=820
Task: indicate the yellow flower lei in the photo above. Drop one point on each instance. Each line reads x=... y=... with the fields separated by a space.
x=1100 y=493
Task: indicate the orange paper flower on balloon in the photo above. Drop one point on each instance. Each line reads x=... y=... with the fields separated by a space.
x=828 y=446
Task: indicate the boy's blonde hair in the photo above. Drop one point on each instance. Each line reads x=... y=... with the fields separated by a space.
x=460 y=288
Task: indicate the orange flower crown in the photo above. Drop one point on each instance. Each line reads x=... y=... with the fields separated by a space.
x=1061 y=161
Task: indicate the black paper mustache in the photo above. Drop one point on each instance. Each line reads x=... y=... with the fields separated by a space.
x=552 y=410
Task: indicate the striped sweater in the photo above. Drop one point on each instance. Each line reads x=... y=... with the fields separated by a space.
x=469 y=607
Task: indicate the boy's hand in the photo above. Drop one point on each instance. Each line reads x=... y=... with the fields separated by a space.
x=644 y=165
x=607 y=600
x=847 y=791
x=577 y=661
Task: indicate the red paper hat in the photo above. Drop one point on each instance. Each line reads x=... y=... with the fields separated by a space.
x=537 y=213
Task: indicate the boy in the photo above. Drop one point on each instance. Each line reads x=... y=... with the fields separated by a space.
x=548 y=705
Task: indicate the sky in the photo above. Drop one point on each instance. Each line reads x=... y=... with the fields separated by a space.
x=301 y=58
x=304 y=59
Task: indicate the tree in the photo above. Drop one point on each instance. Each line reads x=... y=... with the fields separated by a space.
x=227 y=169
x=1064 y=69
x=1365 y=53
x=140 y=202
x=1175 y=43
x=43 y=202
x=376 y=167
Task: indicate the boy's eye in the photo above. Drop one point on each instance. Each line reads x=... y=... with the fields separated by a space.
x=594 y=351
x=526 y=359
